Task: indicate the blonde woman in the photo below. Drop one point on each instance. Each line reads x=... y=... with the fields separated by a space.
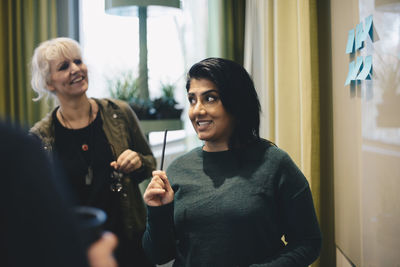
x=98 y=141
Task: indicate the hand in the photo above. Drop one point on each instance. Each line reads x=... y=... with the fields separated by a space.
x=159 y=191
x=100 y=253
x=127 y=162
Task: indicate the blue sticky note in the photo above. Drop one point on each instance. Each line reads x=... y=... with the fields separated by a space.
x=368 y=30
x=351 y=70
x=357 y=68
x=350 y=42
x=366 y=72
x=359 y=36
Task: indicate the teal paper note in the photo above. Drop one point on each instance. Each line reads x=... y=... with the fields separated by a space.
x=359 y=36
x=350 y=42
x=368 y=28
x=351 y=68
x=357 y=68
x=366 y=72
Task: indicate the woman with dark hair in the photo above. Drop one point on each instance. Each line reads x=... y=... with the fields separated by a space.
x=237 y=93
x=233 y=200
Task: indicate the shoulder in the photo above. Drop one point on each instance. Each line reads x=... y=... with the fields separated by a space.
x=43 y=128
x=276 y=161
x=289 y=176
x=265 y=150
x=280 y=155
x=272 y=155
x=193 y=154
x=112 y=107
x=113 y=104
x=188 y=160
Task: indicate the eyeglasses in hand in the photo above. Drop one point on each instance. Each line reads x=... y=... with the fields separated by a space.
x=116 y=185
x=116 y=176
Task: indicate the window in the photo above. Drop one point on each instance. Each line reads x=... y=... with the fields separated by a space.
x=174 y=41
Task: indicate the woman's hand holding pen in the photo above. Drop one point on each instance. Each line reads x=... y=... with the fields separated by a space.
x=127 y=162
x=159 y=191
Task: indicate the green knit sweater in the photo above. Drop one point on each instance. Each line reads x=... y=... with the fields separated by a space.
x=231 y=208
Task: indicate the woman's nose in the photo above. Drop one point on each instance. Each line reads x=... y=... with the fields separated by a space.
x=74 y=68
x=199 y=108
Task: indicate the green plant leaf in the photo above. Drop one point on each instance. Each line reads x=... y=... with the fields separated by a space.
x=125 y=87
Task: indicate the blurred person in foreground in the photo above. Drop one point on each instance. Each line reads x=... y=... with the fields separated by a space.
x=38 y=226
x=230 y=201
x=99 y=143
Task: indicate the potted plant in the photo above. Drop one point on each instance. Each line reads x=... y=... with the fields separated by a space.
x=155 y=115
x=164 y=112
x=165 y=106
x=125 y=87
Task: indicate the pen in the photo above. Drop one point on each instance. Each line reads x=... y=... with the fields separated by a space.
x=163 y=149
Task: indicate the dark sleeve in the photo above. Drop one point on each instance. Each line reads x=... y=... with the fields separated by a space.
x=299 y=220
x=140 y=145
x=36 y=227
x=159 y=239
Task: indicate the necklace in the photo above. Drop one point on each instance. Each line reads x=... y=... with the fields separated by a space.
x=85 y=145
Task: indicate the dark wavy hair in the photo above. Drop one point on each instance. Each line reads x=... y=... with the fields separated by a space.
x=238 y=96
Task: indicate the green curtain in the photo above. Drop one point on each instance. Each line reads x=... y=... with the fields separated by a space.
x=326 y=194
x=24 y=24
x=226 y=29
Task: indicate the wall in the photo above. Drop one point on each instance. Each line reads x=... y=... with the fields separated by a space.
x=366 y=139
x=346 y=135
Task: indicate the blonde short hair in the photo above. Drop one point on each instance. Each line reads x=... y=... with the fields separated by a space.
x=43 y=54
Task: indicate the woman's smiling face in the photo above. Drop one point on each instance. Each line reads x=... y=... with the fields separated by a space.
x=212 y=123
x=68 y=76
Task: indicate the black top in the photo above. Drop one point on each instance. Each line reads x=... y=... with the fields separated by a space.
x=76 y=161
x=231 y=208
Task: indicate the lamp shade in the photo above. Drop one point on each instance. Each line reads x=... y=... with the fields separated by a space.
x=129 y=7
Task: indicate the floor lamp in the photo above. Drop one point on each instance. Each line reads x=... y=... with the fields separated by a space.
x=139 y=8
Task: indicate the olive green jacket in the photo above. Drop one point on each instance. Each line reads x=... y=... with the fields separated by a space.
x=122 y=130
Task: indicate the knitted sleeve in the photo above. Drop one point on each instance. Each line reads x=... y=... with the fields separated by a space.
x=159 y=240
x=301 y=229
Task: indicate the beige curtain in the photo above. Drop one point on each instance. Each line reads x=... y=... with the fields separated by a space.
x=24 y=24
x=281 y=54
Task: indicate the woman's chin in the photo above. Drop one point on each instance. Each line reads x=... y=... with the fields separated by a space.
x=202 y=136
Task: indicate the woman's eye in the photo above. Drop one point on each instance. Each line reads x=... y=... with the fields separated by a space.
x=191 y=100
x=78 y=61
x=211 y=98
x=64 y=66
